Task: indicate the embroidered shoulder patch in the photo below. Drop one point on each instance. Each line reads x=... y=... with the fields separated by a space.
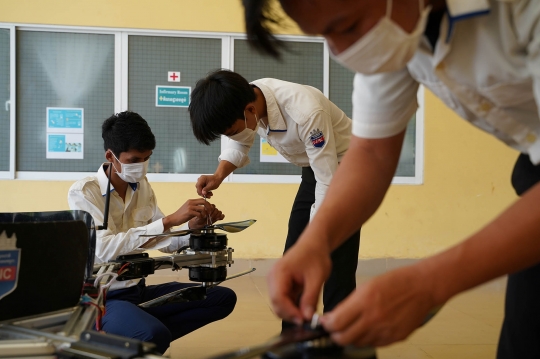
x=9 y=264
x=317 y=138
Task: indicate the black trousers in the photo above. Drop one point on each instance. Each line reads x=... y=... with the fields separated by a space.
x=520 y=333
x=342 y=280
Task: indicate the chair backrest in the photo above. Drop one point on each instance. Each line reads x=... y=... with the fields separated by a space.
x=44 y=259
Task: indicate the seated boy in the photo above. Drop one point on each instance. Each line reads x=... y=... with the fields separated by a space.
x=133 y=211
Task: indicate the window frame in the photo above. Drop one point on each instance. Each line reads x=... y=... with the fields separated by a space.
x=10 y=174
x=121 y=100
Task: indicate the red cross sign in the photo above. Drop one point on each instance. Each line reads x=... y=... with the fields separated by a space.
x=174 y=76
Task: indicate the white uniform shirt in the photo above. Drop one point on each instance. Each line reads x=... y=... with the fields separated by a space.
x=139 y=214
x=304 y=127
x=485 y=67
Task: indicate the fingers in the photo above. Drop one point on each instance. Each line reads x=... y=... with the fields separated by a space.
x=283 y=298
x=212 y=213
x=216 y=215
x=356 y=334
x=194 y=208
x=345 y=322
x=310 y=296
x=200 y=206
x=204 y=209
x=201 y=183
x=204 y=186
x=384 y=310
x=296 y=280
x=285 y=308
x=343 y=314
x=362 y=331
x=208 y=208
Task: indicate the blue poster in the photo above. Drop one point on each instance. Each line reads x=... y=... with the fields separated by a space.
x=65 y=145
x=64 y=118
x=57 y=143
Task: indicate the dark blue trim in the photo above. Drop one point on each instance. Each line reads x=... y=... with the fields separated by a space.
x=133 y=186
x=469 y=15
x=452 y=20
x=270 y=130
x=103 y=195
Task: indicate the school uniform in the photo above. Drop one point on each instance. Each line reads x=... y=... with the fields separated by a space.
x=138 y=215
x=311 y=132
x=483 y=62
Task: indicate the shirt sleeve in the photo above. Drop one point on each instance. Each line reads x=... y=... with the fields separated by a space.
x=177 y=242
x=533 y=65
x=322 y=158
x=236 y=153
x=383 y=103
x=109 y=242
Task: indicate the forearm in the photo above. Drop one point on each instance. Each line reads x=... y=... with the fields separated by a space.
x=168 y=223
x=177 y=242
x=172 y=220
x=224 y=169
x=508 y=244
x=320 y=193
x=109 y=244
x=356 y=190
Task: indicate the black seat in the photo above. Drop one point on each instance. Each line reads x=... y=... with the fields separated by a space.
x=44 y=259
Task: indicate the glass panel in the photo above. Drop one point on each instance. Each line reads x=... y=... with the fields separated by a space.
x=5 y=108
x=67 y=70
x=407 y=161
x=151 y=58
x=302 y=63
x=341 y=87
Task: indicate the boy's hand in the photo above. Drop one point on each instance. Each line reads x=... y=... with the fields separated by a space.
x=215 y=215
x=206 y=183
x=198 y=208
x=384 y=310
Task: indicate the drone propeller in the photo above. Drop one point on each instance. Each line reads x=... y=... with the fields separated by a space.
x=231 y=227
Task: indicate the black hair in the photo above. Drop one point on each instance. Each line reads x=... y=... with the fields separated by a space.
x=259 y=16
x=127 y=131
x=217 y=102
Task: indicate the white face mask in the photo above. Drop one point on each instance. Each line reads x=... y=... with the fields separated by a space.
x=132 y=172
x=247 y=136
x=386 y=47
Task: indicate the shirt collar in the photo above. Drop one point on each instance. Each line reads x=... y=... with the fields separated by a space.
x=103 y=180
x=464 y=9
x=276 y=122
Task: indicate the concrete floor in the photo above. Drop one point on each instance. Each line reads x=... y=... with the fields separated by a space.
x=466 y=327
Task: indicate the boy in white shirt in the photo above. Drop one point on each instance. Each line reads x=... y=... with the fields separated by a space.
x=302 y=125
x=133 y=211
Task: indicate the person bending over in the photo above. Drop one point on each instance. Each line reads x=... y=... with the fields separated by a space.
x=482 y=58
x=302 y=125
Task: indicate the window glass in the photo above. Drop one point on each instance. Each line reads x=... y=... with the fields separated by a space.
x=341 y=88
x=151 y=59
x=70 y=71
x=5 y=106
